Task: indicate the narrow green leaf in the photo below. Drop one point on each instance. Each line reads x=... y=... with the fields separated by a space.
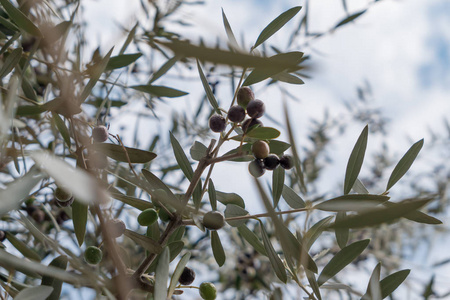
x=57 y=32
x=22 y=247
x=231 y=38
x=207 y=88
x=276 y=25
x=156 y=184
x=263 y=133
x=161 y=276
x=177 y=273
x=233 y=210
x=252 y=239
x=274 y=259
x=28 y=89
x=129 y=39
x=352 y=202
x=95 y=74
x=373 y=291
x=181 y=158
x=313 y=283
x=175 y=248
x=10 y=27
x=212 y=194
x=177 y=235
x=164 y=68
x=35 y=293
x=417 y=216
x=11 y=62
x=341 y=260
x=278 y=147
x=356 y=160
x=132 y=201
x=391 y=282
x=404 y=164
x=20 y=19
x=120 y=61
x=277 y=185
x=217 y=248
x=62 y=129
x=61 y=263
x=343 y=233
x=116 y=152
x=350 y=18
x=292 y=198
x=382 y=215
x=198 y=151
x=19 y=190
x=79 y=219
x=146 y=242
x=159 y=91
x=315 y=231
x=359 y=187
x=230 y=198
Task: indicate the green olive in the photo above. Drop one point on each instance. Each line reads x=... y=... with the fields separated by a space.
x=147 y=217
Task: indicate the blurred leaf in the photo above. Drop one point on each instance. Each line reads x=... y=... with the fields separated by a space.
x=417 y=216
x=116 y=152
x=263 y=133
x=121 y=61
x=146 y=242
x=57 y=32
x=356 y=160
x=230 y=198
x=224 y=57
x=79 y=219
x=10 y=261
x=350 y=18
x=373 y=291
x=359 y=187
x=207 y=88
x=35 y=293
x=288 y=78
x=159 y=91
x=177 y=273
x=391 y=282
x=79 y=182
x=231 y=38
x=22 y=247
x=11 y=61
x=381 y=215
x=164 y=68
x=97 y=71
x=341 y=260
x=233 y=210
x=341 y=233
x=429 y=289
x=161 y=275
x=19 y=190
x=262 y=73
x=274 y=259
x=20 y=19
x=315 y=231
x=252 y=239
x=129 y=39
x=198 y=151
x=61 y=263
x=292 y=198
x=62 y=129
x=297 y=160
x=313 y=283
x=217 y=248
x=276 y=25
x=277 y=185
x=352 y=202
x=212 y=194
x=404 y=164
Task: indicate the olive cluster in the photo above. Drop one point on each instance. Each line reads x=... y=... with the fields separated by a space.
x=247 y=105
x=264 y=160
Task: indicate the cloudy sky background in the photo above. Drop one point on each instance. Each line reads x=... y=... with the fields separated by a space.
x=401 y=48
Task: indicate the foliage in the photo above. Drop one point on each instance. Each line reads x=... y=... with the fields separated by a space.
x=55 y=110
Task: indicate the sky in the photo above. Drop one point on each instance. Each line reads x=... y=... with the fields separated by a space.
x=401 y=48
